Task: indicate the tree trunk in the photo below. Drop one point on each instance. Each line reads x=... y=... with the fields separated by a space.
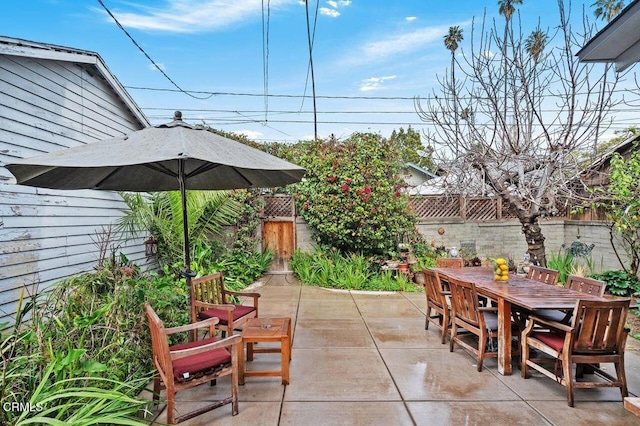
x=535 y=241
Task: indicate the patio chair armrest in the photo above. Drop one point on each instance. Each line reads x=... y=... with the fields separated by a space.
x=488 y=309
x=254 y=296
x=193 y=326
x=226 y=307
x=552 y=324
x=223 y=343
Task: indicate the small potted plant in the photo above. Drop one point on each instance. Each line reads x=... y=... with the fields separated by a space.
x=418 y=275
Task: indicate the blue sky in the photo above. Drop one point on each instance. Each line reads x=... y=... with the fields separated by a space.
x=363 y=51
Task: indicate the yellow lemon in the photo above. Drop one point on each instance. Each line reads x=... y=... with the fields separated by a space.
x=504 y=267
x=500 y=261
x=497 y=277
x=505 y=278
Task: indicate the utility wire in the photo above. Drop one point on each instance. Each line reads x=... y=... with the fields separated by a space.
x=313 y=80
x=149 y=57
x=265 y=56
x=313 y=39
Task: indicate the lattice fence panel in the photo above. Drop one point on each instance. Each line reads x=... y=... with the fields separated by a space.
x=482 y=209
x=436 y=207
x=278 y=206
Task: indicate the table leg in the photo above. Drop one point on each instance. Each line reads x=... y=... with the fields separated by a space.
x=241 y=363
x=504 y=337
x=285 y=355
x=249 y=351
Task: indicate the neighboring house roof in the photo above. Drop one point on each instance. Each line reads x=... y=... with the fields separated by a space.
x=420 y=169
x=618 y=41
x=18 y=47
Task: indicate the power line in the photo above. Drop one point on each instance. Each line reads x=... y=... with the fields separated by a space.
x=147 y=55
x=265 y=56
x=313 y=80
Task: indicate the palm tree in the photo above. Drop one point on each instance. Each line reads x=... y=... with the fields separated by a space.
x=161 y=214
x=535 y=44
x=451 y=41
x=506 y=9
x=607 y=9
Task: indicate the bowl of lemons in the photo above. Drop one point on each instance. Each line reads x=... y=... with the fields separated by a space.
x=501 y=270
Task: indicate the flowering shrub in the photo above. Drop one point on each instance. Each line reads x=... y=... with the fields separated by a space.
x=352 y=194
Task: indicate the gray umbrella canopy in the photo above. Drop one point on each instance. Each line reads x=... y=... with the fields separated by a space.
x=148 y=160
x=172 y=156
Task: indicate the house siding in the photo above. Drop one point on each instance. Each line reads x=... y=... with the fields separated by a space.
x=47 y=235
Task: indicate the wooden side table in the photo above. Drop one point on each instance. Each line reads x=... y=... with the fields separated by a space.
x=279 y=331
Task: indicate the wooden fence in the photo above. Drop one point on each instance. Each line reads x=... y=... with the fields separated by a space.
x=426 y=207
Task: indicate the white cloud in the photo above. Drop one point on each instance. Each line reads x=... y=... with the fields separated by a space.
x=191 y=16
x=329 y=12
x=152 y=67
x=411 y=18
x=374 y=83
x=391 y=45
x=251 y=134
x=333 y=4
x=338 y=3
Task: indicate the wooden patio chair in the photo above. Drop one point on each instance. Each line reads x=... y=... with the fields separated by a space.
x=574 y=282
x=467 y=314
x=543 y=275
x=597 y=334
x=437 y=302
x=210 y=298
x=449 y=262
x=190 y=364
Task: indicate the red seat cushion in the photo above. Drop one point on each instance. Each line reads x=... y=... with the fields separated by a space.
x=553 y=340
x=238 y=312
x=194 y=364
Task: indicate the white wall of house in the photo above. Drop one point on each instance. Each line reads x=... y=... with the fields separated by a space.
x=51 y=100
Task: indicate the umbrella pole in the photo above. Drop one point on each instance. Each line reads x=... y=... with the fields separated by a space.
x=185 y=232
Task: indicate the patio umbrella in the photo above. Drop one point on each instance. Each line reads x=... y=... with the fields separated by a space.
x=167 y=157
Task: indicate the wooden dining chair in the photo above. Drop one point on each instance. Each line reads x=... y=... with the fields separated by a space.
x=597 y=334
x=186 y=365
x=436 y=302
x=543 y=275
x=467 y=314
x=449 y=262
x=210 y=298
x=574 y=282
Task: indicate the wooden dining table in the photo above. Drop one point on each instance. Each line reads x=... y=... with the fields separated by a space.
x=518 y=291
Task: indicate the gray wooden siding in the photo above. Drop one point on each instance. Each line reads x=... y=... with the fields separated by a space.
x=46 y=235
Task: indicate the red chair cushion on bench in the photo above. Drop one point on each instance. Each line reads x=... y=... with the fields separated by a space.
x=194 y=364
x=238 y=312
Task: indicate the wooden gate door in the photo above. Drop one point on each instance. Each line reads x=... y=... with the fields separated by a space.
x=278 y=236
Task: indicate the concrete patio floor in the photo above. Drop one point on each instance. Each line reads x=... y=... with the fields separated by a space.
x=366 y=359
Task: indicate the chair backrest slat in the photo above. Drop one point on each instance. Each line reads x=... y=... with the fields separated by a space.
x=543 y=275
x=464 y=302
x=586 y=285
x=433 y=287
x=159 y=343
x=600 y=325
x=449 y=262
x=209 y=289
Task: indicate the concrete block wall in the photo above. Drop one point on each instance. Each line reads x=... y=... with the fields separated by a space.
x=504 y=238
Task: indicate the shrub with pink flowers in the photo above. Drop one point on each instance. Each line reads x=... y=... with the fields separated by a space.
x=352 y=193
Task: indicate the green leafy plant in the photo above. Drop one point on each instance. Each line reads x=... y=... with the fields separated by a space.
x=330 y=268
x=352 y=195
x=622 y=205
x=563 y=262
x=619 y=283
